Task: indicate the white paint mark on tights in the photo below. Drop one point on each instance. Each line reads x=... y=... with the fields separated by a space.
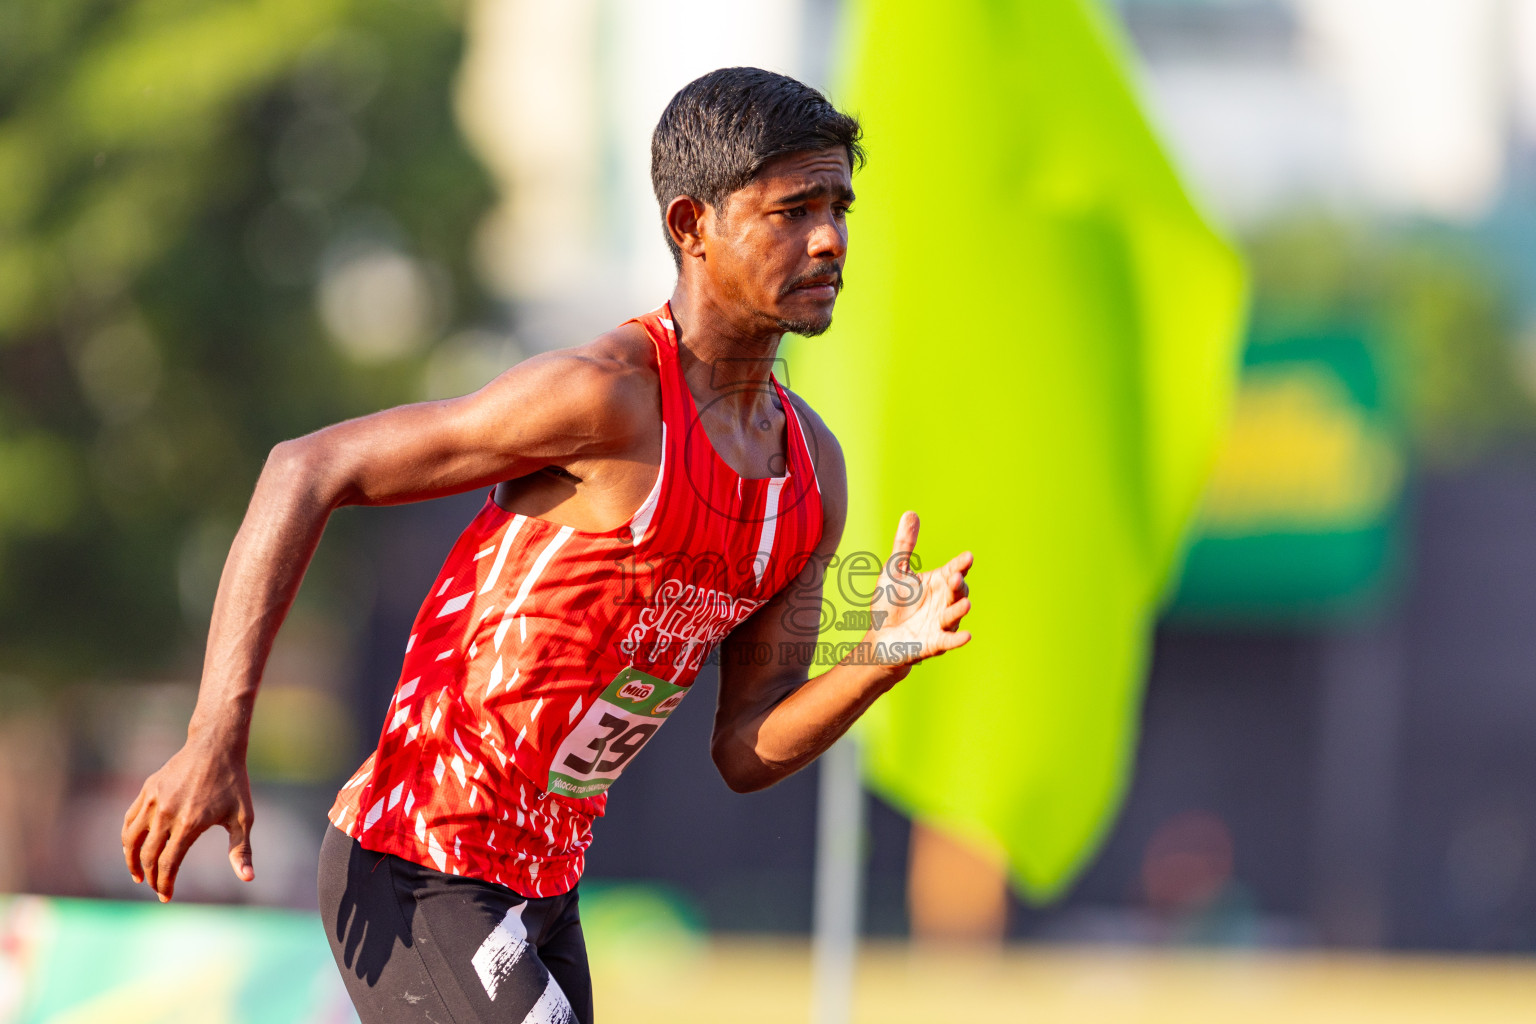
x=501 y=950
x=552 y=1007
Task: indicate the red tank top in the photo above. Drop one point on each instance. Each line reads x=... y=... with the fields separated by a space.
x=544 y=657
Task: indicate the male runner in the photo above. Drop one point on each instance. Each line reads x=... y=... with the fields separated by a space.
x=656 y=495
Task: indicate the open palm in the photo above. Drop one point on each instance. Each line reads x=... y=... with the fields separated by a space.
x=920 y=611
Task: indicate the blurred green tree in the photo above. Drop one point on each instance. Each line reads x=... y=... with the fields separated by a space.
x=221 y=224
x=1435 y=300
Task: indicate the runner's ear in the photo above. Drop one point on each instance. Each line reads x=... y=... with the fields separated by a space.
x=685 y=216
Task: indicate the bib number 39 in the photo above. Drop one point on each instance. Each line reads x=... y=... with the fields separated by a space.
x=627 y=713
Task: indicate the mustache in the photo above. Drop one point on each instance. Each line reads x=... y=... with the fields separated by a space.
x=817 y=275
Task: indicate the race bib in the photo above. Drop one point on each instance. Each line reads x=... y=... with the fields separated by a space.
x=612 y=732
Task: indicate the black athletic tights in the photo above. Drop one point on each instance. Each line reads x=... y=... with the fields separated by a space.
x=417 y=945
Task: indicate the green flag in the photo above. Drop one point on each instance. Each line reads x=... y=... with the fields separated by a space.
x=1035 y=351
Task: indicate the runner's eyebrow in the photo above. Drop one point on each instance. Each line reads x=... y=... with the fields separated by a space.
x=816 y=191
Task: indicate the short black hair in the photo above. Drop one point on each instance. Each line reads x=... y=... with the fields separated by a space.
x=722 y=128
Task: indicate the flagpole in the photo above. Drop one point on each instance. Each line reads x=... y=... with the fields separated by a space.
x=835 y=928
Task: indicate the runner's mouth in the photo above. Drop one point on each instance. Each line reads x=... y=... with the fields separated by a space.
x=821 y=286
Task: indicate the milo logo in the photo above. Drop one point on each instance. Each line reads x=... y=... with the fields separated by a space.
x=669 y=704
x=636 y=691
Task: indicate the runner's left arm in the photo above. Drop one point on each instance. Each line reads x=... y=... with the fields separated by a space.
x=773 y=719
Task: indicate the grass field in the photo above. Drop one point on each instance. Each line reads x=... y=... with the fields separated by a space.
x=747 y=981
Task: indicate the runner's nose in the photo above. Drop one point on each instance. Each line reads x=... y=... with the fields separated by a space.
x=828 y=241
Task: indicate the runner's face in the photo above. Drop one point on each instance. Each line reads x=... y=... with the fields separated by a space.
x=779 y=247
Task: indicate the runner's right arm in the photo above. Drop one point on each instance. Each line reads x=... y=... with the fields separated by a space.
x=567 y=408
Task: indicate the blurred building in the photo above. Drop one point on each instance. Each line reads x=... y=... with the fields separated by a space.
x=561 y=99
x=1399 y=107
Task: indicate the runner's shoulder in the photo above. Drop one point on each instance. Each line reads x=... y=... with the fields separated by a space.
x=611 y=379
x=831 y=470
x=825 y=450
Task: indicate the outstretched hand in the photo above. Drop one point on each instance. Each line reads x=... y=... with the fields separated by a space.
x=193 y=792
x=920 y=611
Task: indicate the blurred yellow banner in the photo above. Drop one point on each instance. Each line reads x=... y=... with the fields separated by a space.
x=1036 y=352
